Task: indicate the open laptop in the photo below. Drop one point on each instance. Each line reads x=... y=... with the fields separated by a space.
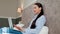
x=10 y=22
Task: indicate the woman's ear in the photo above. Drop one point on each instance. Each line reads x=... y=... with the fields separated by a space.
x=40 y=8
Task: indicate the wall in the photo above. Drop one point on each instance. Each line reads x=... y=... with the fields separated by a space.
x=8 y=8
x=27 y=16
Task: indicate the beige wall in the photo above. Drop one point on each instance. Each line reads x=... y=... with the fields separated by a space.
x=52 y=13
x=8 y=8
x=27 y=15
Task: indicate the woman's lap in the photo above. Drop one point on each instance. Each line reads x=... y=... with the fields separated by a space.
x=8 y=30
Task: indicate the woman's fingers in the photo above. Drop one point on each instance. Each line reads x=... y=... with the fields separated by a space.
x=14 y=25
x=17 y=27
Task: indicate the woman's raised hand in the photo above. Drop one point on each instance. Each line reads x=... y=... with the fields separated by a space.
x=19 y=10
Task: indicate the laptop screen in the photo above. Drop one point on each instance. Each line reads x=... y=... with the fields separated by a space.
x=4 y=22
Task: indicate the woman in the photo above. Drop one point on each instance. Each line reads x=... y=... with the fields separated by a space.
x=37 y=23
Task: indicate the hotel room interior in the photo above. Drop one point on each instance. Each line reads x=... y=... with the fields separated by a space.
x=9 y=9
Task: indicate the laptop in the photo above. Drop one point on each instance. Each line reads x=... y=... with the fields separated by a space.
x=10 y=23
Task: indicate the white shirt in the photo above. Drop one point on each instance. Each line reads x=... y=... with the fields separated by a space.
x=39 y=24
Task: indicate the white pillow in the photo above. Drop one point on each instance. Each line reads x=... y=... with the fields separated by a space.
x=44 y=30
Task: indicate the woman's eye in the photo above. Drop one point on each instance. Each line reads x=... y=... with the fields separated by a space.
x=35 y=7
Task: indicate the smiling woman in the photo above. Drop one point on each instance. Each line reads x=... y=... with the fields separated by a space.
x=36 y=23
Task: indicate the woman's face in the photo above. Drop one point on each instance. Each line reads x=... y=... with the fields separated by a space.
x=36 y=9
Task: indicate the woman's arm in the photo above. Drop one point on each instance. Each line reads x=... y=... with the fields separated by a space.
x=39 y=24
x=19 y=10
